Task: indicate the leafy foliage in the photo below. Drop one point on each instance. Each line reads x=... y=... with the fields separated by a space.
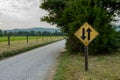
x=71 y=14
x=1 y=33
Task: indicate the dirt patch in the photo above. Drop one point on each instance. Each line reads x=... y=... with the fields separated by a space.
x=51 y=74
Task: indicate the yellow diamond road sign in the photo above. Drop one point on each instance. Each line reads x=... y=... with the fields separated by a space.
x=86 y=34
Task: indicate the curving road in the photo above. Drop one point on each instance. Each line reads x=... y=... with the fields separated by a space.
x=32 y=65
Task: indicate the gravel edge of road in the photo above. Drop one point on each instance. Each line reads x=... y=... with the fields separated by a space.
x=53 y=71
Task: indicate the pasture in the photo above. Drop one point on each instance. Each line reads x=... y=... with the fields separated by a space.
x=19 y=44
x=16 y=38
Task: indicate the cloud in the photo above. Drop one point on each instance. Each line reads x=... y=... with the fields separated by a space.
x=21 y=14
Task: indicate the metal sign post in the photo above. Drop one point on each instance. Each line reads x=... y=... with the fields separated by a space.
x=86 y=57
x=86 y=34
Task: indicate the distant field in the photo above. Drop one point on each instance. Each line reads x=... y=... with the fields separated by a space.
x=15 y=38
x=19 y=44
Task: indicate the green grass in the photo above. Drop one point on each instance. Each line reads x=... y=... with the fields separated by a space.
x=16 y=38
x=102 y=67
x=13 y=38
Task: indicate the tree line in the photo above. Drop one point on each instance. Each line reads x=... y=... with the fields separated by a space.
x=30 y=33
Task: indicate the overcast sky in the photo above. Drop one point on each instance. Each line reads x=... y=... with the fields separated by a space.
x=21 y=14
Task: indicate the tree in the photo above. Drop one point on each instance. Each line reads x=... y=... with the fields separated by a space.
x=39 y=33
x=46 y=33
x=71 y=14
x=33 y=33
x=5 y=33
x=1 y=33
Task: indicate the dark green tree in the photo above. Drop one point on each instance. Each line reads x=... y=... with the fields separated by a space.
x=5 y=33
x=1 y=33
x=39 y=33
x=33 y=33
x=71 y=14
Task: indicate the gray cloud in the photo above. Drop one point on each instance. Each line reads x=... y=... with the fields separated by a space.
x=21 y=14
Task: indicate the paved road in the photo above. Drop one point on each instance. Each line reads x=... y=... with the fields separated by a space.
x=31 y=65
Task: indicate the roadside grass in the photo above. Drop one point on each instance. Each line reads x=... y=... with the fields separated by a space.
x=19 y=46
x=101 y=67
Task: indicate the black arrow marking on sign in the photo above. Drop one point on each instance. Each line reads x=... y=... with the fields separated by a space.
x=89 y=30
x=83 y=34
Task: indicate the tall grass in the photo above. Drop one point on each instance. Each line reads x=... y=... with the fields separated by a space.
x=19 y=44
x=102 y=67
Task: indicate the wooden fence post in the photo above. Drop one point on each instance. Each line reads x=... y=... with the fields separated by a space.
x=8 y=39
x=27 y=38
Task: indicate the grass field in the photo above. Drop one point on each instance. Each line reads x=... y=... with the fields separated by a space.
x=19 y=44
x=16 y=38
x=102 y=67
